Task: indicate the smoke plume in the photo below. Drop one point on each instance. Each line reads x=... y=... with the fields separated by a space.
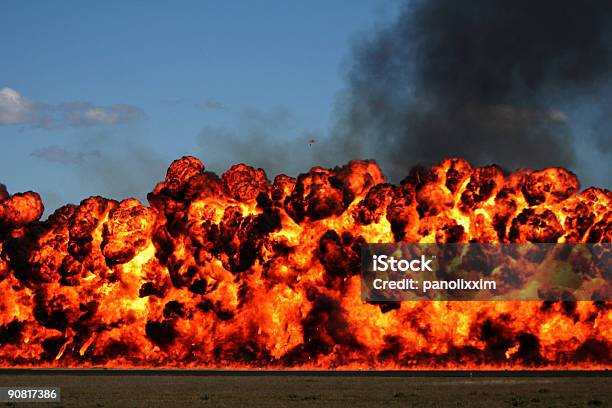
x=272 y=140
x=3 y=192
x=491 y=81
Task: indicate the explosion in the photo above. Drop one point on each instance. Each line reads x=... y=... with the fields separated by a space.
x=238 y=272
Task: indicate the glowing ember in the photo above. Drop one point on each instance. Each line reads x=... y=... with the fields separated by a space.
x=238 y=272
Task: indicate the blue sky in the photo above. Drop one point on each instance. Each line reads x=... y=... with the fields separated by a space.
x=99 y=97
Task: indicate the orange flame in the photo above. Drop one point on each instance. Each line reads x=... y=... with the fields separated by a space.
x=238 y=272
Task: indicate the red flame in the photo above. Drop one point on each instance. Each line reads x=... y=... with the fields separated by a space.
x=238 y=272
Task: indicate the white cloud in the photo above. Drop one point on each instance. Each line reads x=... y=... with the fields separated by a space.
x=79 y=114
x=14 y=108
x=18 y=110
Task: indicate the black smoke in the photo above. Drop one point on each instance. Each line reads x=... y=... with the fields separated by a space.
x=491 y=81
x=3 y=192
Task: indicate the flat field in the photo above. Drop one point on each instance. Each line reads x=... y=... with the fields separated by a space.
x=313 y=390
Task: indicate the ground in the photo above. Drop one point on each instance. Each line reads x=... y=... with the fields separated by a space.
x=308 y=389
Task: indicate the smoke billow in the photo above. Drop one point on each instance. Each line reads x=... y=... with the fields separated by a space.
x=262 y=139
x=102 y=163
x=3 y=192
x=490 y=81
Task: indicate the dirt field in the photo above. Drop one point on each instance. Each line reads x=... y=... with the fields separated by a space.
x=262 y=390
